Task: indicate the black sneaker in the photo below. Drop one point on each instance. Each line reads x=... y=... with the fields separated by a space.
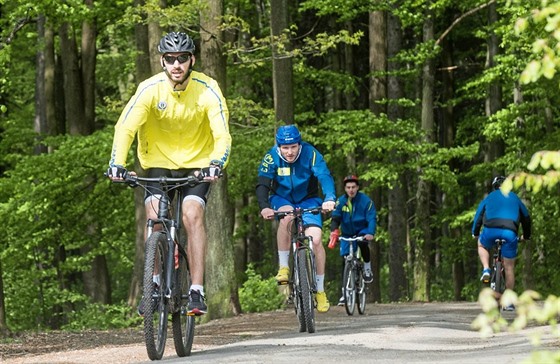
x=368 y=276
x=196 y=303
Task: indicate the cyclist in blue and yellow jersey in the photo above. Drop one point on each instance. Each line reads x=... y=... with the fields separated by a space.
x=289 y=177
x=181 y=119
x=500 y=215
x=355 y=214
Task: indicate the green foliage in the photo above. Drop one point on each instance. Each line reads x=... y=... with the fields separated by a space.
x=528 y=310
x=53 y=205
x=102 y=317
x=258 y=294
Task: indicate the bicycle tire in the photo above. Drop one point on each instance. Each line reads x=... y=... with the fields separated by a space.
x=297 y=298
x=349 y=282
x=361 y=293
x=183 y=324
x=307 y=299
x=499 y=283
x=155 y=305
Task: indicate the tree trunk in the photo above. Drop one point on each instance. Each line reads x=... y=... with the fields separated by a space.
x=88 y=61
x=495 y=148
x=397 y=216
x=282 y=73
x=377 y=92
x=220 y=283
x=423 y=246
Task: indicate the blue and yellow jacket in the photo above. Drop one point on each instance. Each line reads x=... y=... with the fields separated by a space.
x=355 y=216
x=295 y=181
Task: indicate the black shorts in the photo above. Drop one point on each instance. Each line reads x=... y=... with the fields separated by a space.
x=153 y=188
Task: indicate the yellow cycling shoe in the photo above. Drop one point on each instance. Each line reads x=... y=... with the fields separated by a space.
x=323 y=304
x=282 y=275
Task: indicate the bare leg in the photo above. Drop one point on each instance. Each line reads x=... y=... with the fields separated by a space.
x=509 y=265
x=484 y=256
x=318 y=248
x=283 y=233
x=193 y=221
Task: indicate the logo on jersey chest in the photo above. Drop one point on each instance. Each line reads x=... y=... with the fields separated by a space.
x=162 y=105
x=284 y=171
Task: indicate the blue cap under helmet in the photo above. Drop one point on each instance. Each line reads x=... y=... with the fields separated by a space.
x=288 y=134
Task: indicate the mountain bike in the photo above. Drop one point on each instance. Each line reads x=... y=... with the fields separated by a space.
x=303 y=283
x=498 y=276
x=353 y=281
x=166 y=271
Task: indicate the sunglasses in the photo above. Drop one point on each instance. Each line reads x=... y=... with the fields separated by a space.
x=182 y=58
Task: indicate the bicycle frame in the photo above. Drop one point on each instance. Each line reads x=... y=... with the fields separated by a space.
x=303 y=282
x=353 y=281
x=497 y=279
x=166 y=257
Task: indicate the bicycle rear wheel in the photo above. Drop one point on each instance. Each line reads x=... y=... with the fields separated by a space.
x=183 y=324
x=361 y=293
x=155 y=303
x=307 y=300
x=349 y=282
x=498 y=281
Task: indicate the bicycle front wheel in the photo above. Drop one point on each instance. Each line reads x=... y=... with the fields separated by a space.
x=349 y=282
x=361 y=293
x=155 y=304
x=307 y=301
x=183 y=324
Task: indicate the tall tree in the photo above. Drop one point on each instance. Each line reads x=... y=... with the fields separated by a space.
x=282 y=72
x=220 y=267
x=378 y=93
x=423 y=241
x=397 y=215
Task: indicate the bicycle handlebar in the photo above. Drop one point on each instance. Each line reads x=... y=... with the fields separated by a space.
x=356 y=238
x=298 y=211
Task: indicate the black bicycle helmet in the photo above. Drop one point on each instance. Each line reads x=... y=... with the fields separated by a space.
x=497 y=182
x=176 y=42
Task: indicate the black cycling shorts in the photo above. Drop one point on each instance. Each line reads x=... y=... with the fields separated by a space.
x=201 y=190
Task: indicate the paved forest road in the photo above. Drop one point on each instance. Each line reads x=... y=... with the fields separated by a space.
x=397 y=333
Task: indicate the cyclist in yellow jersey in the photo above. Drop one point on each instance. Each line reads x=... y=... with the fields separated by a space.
x=181 y=119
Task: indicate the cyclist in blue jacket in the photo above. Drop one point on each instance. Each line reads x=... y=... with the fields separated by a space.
x=289 y=177
x=500 y=215
x=355 y=214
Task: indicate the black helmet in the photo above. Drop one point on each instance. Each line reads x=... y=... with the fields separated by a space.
x=176 y=42
x=497 y=182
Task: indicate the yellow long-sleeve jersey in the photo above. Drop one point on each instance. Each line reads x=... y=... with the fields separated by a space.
x=176 y=129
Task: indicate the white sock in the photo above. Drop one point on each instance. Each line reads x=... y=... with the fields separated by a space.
x=320 y=282
x=283 y=257
x=367 y=265
x=157 y=279
x=198 y=287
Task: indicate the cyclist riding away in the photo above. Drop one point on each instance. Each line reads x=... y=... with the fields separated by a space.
x=289 y=177
x=181 y=119
x=355 y=214
x=500 y=215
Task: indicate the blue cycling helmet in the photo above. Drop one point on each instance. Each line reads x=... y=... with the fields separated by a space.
x=288 y=134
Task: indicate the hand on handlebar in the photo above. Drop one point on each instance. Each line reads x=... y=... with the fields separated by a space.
x=328 y=206
x=116 y=173
x=212 y=172
x=267 y=213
